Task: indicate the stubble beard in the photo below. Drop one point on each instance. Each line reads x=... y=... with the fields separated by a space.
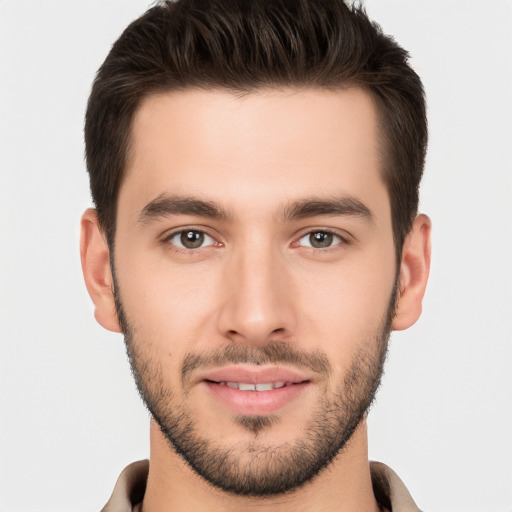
x=257 y=469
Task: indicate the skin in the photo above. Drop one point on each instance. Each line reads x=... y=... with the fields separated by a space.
x=256 y=279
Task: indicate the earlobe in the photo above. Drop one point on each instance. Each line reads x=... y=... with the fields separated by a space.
x=414 y=271
x=94 y=254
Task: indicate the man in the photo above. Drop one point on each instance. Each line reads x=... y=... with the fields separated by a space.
x=255 y=170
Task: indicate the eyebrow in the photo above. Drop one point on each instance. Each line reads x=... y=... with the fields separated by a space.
x=336 y=206
x=165 y=205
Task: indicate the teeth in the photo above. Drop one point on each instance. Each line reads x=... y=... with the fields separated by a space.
x=246 y=387
x=264 y=387
x=243 y=386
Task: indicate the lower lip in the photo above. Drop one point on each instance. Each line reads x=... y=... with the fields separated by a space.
x=255 y=402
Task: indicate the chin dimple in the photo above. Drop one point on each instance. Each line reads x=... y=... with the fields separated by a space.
x=244 y=386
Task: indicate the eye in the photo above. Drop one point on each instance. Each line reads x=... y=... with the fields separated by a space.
x=320 y=240
x=190 y=239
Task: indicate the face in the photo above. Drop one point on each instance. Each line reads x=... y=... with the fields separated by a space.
x=255 y=277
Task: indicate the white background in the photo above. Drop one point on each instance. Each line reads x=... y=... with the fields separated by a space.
x=70 y=418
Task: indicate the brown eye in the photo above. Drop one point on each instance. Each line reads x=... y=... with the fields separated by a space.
x=320 y=240
x=190 y=239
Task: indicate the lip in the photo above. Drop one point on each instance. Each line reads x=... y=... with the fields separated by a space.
x=254 y=375
x=254 y=402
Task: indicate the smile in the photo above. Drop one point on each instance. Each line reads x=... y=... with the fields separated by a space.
x=245 y=386
x=256 y=390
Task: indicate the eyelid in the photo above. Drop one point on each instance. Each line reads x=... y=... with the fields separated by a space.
x=344 y=237
x=169 y=235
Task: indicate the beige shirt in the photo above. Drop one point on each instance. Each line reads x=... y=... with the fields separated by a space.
x=389 y=490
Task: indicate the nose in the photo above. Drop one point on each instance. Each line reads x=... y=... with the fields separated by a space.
x=257 y=303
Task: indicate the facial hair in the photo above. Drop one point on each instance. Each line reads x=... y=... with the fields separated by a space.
x=272 y=469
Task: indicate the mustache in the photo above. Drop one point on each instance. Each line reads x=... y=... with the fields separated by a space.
x=275 y=352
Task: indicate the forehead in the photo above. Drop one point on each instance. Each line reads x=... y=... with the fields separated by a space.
x=281 y=143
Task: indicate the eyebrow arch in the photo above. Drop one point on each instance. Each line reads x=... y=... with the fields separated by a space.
x=337 y=206
x=164 y=205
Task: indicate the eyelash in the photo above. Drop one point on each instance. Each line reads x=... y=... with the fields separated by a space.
x=191 y=251
x=341 y=240
x=185 y=250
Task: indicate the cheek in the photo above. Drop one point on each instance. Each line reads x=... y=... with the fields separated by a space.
x=346 y=306
x=166 y=306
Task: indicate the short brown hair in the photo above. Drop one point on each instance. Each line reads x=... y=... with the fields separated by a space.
x=244 y=45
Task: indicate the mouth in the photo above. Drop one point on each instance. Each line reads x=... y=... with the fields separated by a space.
x=247 y=386
x=255 y=390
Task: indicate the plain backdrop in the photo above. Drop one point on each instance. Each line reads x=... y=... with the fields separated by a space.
x=70 y=417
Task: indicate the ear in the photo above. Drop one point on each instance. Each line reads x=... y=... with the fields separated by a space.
x=414 y=270
x=95 y=257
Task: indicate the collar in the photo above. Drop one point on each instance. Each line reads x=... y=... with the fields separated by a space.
x=389 y=490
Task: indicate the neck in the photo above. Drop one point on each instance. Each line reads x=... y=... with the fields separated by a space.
x=344 y=486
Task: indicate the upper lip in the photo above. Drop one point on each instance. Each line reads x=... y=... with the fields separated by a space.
x=251 y=374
